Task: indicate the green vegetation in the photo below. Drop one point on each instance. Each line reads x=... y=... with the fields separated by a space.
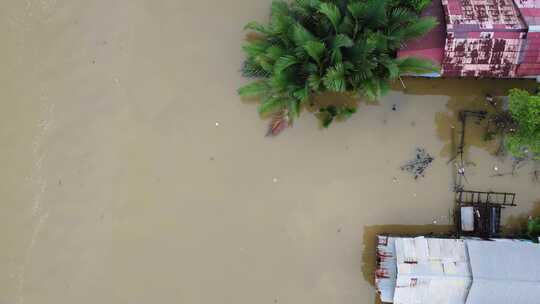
x=414 y=5
x=533 y=229
x=524 y=140
x=315 y=46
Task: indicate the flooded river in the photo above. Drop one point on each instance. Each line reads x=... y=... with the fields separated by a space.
x=133 y=173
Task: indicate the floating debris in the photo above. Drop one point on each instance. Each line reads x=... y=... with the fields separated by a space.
x=419 y=164
x=394 y=107
x=279 y=123
x=491 y=101
x=275 y=180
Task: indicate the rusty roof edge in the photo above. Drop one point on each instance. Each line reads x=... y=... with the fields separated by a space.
x=520 y=15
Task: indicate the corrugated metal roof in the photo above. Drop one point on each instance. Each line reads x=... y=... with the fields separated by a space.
x=386 y=272
x=504 y=272
x=449 y=271
x=530 y=11
x=482 y=15
x=481 y=56
x=529 y=59
x=484 y=38
x=431 y=270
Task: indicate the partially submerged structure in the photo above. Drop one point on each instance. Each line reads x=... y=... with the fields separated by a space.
x=457 y=271
x=482 y=38
x=479 y=213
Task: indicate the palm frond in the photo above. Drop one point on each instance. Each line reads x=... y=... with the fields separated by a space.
x=314 y=82
x=279 y=81
x=401 y=15
x=305 y=8
x=256 y=26
x=280 y=24
x=331 y=11
x=284 y=62
x=375 y=88
x=274 y=52
x=334 y=80
x=356 y=9
x=336 y=56
x=342 y=40
x=416 y=66
x=300 y=35
x=371 y=13
x=315 y=50
x=391 y=67
x=251 y=69
x=416 y=29
x=255 y=48
x=293 y=105
x=254 y=89
x=271 y=105
x=310 y=68
x=302 y=94
x=279 y=7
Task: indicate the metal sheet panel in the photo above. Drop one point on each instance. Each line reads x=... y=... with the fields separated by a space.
x=386 y=272
x=482 y=15
x=486 y=56
x=504 y=272
x=431 y=271
x=530 y=11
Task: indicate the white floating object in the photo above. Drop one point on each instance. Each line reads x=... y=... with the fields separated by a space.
x=495 y=168
x=275 y=180
x=217 y=124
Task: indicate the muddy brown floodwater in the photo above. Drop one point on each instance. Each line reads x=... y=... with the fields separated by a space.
x=133 y=173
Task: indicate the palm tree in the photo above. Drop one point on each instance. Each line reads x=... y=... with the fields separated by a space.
x=313 y=46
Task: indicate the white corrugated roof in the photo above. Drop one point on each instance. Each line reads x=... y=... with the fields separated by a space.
x=386 y=252
x=434 y=271
x=504 y=272
x=449 y=271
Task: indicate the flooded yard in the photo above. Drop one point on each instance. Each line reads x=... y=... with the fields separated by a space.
x=133 y=173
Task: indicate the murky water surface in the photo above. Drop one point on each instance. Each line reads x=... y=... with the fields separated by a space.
x=133 y=173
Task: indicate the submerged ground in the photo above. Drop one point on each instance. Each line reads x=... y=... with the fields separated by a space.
x=133 y=173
